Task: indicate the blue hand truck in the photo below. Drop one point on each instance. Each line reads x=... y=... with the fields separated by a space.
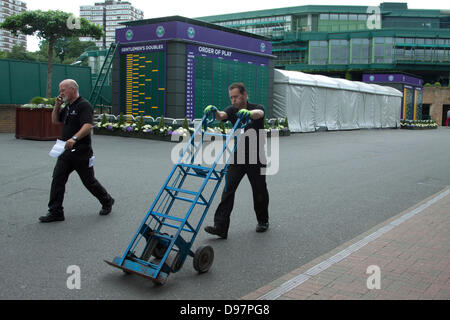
x=163 y=241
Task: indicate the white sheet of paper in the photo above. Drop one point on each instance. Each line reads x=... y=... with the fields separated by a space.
x=57 y=149
x=91 y=161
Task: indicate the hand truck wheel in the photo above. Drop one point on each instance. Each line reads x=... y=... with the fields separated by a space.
x=203 y=258
x=159 y=251
x=177 y=263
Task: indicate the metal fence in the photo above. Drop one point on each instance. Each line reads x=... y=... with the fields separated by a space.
x=20 y=81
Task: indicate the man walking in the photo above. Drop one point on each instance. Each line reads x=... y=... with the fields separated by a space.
x=77 y=120
x=241 y=108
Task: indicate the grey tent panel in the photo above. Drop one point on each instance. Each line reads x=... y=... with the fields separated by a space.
x=314 y=101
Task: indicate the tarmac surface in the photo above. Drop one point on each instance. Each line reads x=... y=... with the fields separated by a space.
x=353 y=215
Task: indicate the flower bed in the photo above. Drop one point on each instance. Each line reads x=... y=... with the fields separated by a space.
x=136 y=129
x=139 y=128
x=418 y=124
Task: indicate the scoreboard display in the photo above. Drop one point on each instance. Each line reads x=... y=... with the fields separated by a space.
x=209 y=72
x=176 y=66
x=143 y=69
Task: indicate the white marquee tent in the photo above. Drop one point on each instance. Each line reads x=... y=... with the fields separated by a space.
x=311 y=102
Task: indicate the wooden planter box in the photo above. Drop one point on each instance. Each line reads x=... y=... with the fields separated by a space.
x=36 y=124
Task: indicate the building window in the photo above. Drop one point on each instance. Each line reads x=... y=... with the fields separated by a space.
x=334 y=16
x=442 y=55
x=362 y=17
x=339 y=51
x=419 y=54
x=383 y=50
x=360 y=51
x=289 y=57
x=429 y=54
x=421 y=49
x=409 y=54
x=318 y=52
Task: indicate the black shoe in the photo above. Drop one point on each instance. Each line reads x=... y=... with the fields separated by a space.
x=51 y=217
x=106 y=209
x=216 y=231
x=262 y=227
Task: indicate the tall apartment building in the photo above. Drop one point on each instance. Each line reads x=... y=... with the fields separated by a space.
x=109 y=14
x=9 y=8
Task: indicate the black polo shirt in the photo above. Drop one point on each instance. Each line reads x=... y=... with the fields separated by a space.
x=252 y=146
x=73 y=117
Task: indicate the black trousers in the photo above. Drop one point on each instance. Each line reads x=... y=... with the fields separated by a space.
x=235 y=173
x=67 y=163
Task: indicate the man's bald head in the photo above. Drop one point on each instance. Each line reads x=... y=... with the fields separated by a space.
x=70 y=83
x=68 y=90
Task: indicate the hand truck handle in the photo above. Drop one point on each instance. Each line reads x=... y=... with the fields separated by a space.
x=243 y=122
x=206 y=122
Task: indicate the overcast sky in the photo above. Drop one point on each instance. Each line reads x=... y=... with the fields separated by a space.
x=199 y=8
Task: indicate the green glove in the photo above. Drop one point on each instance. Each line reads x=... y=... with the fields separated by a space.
x=244 y=114
x=209 y=109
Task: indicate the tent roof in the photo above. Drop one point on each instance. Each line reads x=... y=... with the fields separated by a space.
x=301 y=78
x=365 y=87
x=348 y=85
x=394 y=92
x=327 y=82
x=294 y=77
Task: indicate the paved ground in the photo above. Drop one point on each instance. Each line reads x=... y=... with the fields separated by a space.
x=410 y=253
x=332 y=189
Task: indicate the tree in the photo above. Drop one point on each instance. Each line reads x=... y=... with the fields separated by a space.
x=20 y=53
x=50 y=25
x=67 y=49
